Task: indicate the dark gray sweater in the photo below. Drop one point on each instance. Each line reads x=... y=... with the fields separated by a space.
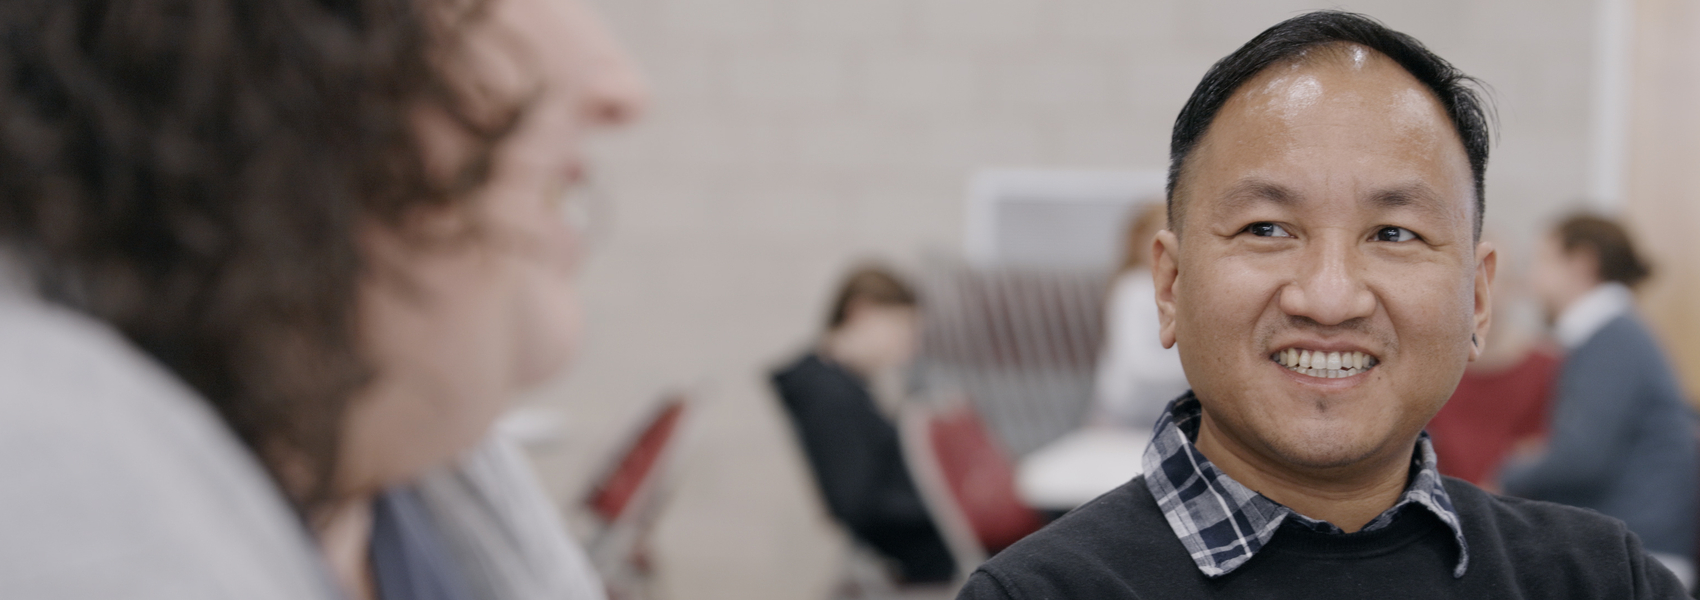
x=1119 y=546
x=1621 y=440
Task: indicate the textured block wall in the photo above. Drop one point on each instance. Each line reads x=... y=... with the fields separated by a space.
x=790 y=137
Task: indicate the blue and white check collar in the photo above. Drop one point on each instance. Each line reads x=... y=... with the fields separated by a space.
x=1223 y=523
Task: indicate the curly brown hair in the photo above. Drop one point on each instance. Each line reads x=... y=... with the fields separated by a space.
x=194 y=172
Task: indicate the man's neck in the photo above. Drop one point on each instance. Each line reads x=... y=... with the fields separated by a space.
x=1348 y=497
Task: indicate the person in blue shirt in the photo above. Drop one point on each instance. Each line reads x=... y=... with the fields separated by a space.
x=1621 y=439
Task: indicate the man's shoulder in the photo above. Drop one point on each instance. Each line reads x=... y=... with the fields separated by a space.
x=1623 y=342
x=1092 y=550
x=1556 y=550
x=1504 y=530
x=1517 y=519
x=121 y=481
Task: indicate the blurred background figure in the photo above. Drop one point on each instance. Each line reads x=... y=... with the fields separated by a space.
x=783 y=141
x=1136 y=375
x=788 y=139
x=1504 y=395
x=852 y=444
x=1621 y=439
x=274 y=268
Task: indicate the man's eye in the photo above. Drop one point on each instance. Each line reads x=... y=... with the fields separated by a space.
x=1267 y=229
x=1394 y=234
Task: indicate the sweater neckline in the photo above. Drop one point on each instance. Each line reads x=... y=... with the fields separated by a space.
x=1407 y=527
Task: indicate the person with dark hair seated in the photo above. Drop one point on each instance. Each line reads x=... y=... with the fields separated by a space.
x=1323 y=276
x=1621 y=437
x=853 y=448
x=269 y=270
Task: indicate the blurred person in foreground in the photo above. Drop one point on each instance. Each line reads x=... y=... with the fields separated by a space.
x=1504 y=394
x=273 y=268
x=1323 y=277
x=1621 y=439
x=1137 y=376
x=853 y=447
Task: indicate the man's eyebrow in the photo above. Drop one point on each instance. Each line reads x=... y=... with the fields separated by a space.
x=1248 y=192
x=1414 y=195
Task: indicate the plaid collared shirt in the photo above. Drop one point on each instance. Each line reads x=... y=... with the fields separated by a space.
x=1223 y=523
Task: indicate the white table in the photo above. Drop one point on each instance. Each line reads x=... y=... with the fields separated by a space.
x=1080 y=466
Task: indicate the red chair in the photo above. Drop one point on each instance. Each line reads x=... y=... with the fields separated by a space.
x=628 y=498
x=966 y=480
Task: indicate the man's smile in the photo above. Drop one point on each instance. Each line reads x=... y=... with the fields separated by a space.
x=1324 y=365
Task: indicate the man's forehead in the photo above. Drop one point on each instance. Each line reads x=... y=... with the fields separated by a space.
x=1343 y=74
x=1340 y=105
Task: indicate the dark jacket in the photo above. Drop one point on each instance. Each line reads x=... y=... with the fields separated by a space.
x=857 y=461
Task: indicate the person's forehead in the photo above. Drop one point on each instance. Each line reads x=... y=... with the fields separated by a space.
x=1327 y=113
x=1330 y=84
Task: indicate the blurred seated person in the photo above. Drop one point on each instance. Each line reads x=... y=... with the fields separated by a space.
x=1621 y=438
x=273 y=268
x=853 y=447
x=1137 y=376
x=1503 y=397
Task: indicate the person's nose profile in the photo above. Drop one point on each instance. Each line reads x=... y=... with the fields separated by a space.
x=611 y=89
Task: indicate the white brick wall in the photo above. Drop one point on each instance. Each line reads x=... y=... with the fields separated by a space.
x=792 y=137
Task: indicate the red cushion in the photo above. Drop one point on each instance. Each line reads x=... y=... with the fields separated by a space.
x=982 y=479
x=1490 y=413
x=615 y=493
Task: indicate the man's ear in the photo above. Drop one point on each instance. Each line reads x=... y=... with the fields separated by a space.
x=1165 y=271
x=1487 y=261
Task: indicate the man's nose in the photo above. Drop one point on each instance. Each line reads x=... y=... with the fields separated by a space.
x=1328 y=288
x=611 y=89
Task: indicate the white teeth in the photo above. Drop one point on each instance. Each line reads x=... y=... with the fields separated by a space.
x=1324 y=365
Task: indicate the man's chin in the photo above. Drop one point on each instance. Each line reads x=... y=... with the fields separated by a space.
x=1318 y=446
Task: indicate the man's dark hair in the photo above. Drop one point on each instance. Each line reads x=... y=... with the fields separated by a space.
x=872 y=284
x=1609 y=242
x=196 y=172
x=1288 y=41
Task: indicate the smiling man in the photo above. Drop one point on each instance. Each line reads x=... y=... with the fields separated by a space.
x=1324 y=280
